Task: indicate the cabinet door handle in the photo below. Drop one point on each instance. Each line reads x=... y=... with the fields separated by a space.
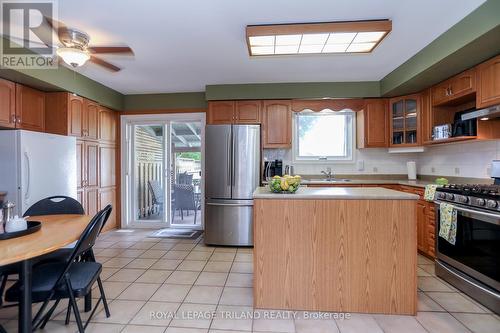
x=18 y=120
x=14 y=118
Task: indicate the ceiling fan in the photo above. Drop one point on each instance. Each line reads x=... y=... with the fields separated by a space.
x=76 y=50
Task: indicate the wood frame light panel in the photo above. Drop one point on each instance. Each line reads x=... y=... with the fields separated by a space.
x=316 y=38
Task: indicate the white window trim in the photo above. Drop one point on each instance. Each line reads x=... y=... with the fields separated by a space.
x=301 y=160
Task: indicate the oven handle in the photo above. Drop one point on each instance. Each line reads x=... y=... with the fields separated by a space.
x=490 y=217
x=468 y=281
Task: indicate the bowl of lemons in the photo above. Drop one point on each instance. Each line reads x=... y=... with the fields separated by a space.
x=285 y=184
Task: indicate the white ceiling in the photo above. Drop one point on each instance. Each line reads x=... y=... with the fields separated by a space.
x=184 y=45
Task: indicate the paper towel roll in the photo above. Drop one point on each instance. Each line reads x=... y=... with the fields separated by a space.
x=412 y=170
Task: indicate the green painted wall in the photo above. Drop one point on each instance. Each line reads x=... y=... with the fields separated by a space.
x=188 y=100
x=471 y=41
x=64 y=79
x=467 y=43
x=292 y=90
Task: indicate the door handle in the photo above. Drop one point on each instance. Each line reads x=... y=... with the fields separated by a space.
x=229 y=157
x=28 y=179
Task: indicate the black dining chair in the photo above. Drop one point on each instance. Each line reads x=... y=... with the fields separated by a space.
x=70 y=279
x=54 y=205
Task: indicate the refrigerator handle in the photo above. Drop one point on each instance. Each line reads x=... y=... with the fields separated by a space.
x=28 y=178
x=229 y=160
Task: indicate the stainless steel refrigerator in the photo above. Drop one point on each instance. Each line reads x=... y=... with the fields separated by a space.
x=232 y=169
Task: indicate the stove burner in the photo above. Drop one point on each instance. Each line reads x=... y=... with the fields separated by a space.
x=484 y=196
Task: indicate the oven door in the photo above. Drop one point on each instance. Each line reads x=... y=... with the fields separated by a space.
x=477 y=248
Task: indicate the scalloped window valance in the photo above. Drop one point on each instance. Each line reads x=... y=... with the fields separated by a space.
x=318 y=105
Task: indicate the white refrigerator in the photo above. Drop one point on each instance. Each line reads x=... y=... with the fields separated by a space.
x=36 y=165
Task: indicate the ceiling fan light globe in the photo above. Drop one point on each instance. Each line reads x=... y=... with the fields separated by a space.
x=73 y=57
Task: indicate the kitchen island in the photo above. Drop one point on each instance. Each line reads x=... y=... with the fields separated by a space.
x=336 y=249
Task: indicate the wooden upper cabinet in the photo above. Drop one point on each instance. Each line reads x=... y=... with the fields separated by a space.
x=30 y=108
x=373 y=125
x=7 y=104
x=277 y=124
x=488 y=83
x=75 y=112
x=70 y=114
x=107 y=125
x=427 y=117
x=248 y=112
x=90 y=119
x=404 y=121
x=221 y=112
x=455 y=90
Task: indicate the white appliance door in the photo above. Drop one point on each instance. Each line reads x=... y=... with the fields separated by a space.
x=9 y=169
x=48 y=167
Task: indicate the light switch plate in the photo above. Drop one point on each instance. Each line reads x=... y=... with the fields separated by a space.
x=360 y=165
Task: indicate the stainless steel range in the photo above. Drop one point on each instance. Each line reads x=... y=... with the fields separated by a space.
x=472 y=264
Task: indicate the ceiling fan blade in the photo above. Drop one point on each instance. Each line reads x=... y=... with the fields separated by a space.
x=110 y=49
x=104 y=64
x=55 y=25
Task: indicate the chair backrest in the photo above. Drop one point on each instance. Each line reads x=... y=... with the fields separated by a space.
x=185 y=178
x=55 y=205
x=156 y=191
x=107 y=212
x=86 y=241
x=184 y=196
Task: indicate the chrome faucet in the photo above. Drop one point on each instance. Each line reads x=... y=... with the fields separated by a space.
x=328 y=173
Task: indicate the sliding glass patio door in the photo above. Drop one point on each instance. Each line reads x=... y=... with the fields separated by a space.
x=162 y=170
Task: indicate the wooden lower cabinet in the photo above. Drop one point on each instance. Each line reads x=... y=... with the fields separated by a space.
x=108 y=196
x=426 y=214
x=425 y=222
x=107 y=168
x=421 y=228
x=91 y=201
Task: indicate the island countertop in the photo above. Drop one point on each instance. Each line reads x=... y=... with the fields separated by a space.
x=340 y=193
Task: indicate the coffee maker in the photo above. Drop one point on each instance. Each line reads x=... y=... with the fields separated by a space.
x=273 y=168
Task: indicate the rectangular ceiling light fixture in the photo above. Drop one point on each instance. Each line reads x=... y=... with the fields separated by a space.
x=316 y=38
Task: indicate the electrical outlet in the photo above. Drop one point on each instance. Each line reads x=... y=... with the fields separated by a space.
x=457 y=171
x=375 y=169
x=433 y=170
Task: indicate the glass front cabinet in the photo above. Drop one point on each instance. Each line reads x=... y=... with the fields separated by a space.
x=405 y=115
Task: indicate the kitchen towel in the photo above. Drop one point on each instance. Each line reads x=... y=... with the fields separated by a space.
x=448 y=222
x=430 y=191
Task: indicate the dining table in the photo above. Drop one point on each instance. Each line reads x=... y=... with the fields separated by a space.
x=56 y=232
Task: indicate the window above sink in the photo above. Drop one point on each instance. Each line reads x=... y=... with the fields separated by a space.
x=323 y=136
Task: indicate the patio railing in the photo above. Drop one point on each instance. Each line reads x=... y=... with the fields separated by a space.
x=147 y=171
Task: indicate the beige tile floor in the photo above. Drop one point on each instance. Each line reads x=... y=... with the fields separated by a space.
x=210 y=290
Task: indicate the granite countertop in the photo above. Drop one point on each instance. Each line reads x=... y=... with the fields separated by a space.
x=340 y=193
